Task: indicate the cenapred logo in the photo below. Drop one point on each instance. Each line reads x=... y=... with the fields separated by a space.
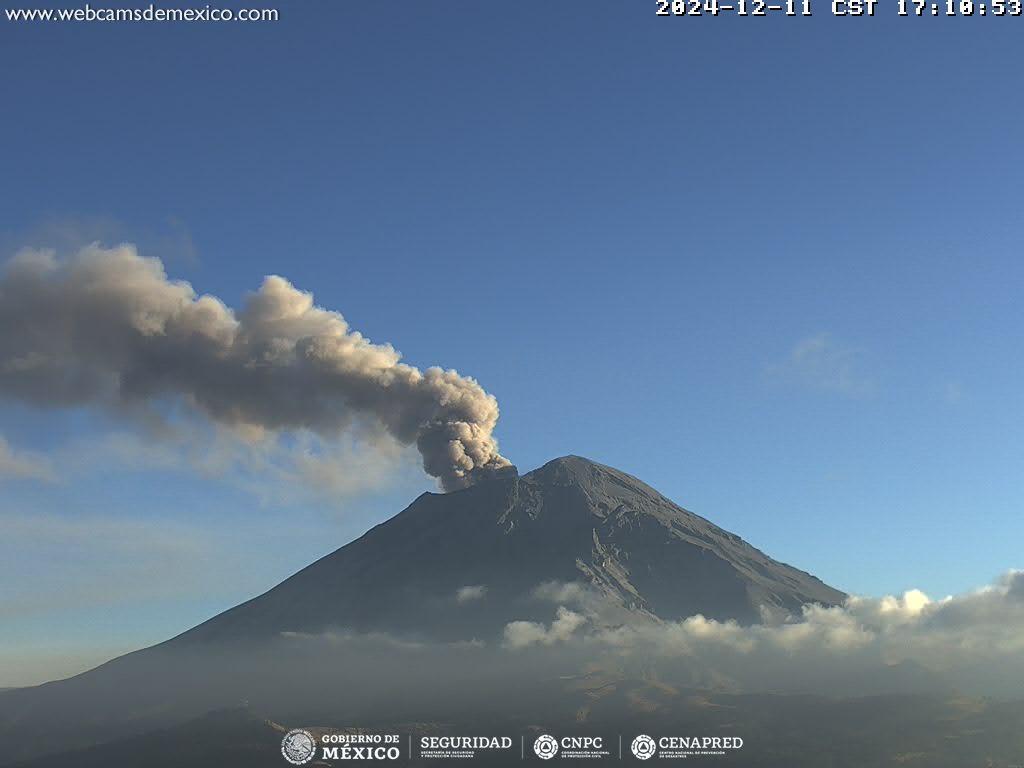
x=546 y=747
x=298 y=746
x=682 y=747
x=643 y=747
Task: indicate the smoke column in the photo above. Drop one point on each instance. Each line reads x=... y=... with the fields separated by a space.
x=107 y=328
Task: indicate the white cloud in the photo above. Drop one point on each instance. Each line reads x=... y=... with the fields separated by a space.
x=468 y=594
x=23 y=465
x=895 y=644
x=523 y=634
x=973 y=641
x=567 y=593
x=820 y=362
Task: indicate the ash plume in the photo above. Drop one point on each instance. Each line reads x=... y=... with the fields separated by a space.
x=106 y=327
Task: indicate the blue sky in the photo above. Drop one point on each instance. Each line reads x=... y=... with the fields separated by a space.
x=770 y=266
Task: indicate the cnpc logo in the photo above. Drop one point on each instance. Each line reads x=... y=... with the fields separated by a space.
x=546 y=747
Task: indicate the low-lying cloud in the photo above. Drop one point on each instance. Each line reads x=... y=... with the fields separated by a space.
x=523 y=634
x=972 y=642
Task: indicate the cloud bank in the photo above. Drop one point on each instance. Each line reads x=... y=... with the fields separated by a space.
x=972 y=642
x=107 y=328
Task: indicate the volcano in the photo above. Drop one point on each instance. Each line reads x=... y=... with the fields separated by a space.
x=450 y=569
x=460 y=565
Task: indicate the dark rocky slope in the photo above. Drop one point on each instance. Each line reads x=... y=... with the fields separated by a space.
x=571 y=521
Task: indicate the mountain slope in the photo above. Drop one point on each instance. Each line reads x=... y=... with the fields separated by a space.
x=571 y=521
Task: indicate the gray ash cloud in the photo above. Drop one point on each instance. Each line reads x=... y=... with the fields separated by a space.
x=106 y=327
